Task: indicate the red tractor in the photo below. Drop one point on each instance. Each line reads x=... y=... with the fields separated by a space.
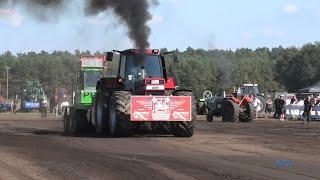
x=142 y=98
x=235 y=109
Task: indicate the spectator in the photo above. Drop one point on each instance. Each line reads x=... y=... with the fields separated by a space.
x=268 y=109
x=256 y=105
x=317 y=101
x=11 y=107
x=282 y=102
x=43 y=107
x=307 y=110
x=14 y=108
x=277 y=107
x=293 y=100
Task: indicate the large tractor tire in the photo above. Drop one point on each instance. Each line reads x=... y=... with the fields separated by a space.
x=119 y=114
x=78 y=121
x=68 y=121
x=185 y=128
x=164 y=128
x=230 y=111
x=100 y=114
x=248 y=114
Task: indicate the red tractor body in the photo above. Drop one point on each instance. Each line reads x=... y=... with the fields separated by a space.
x=142 y=98
x=238 y=108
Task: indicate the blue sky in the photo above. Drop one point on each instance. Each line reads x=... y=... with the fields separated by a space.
x=207 y=24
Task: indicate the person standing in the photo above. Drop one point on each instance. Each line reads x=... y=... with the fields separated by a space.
x=43 y=107
x=12 y=107
x=293 y=100
x=277 y=107
x=256 y=105
x=268 y=109
x=307 y=110
x=282 y=110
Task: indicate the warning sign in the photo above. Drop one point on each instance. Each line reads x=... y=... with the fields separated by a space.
x=161 y=108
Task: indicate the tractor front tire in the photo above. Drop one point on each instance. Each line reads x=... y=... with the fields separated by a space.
x=119 y=114
x=78 y=121
x=230 y=111
x=185 y=128
x=100 y=114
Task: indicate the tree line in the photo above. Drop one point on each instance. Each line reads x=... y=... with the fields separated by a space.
x=275 y=69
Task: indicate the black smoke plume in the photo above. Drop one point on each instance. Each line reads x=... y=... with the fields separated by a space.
x=134 y=13
x=43 y=10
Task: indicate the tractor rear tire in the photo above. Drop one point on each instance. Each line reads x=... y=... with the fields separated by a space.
x=185 y=128
x=230 y=111
x=119 y=114
x=249 y=114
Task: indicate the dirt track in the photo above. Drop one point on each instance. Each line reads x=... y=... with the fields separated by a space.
x=31 y=148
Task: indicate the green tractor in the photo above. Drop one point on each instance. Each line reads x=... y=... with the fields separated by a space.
x=91 y=69
x=32 y=95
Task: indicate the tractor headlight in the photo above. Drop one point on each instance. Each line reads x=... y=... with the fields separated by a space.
x=154 y=81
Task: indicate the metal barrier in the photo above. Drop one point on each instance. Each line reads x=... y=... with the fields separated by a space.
x=294 y=111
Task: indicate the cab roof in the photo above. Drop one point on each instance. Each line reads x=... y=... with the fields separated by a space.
x=138 y=51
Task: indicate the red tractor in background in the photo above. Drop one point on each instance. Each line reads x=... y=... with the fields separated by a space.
x=235 y=109
x=236 y=106
x=142 y=98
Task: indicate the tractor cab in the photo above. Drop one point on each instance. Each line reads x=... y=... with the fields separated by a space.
x=138 y=66
x=143 y=72
x=89 y=79
x=91 y=70
x=252 y=90
x=248 y=89
x=141 y=98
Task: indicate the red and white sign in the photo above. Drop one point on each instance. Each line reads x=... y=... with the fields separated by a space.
x=93 y=61
x=161 y=108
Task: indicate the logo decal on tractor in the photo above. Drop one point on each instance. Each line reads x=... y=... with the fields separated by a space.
x=160 y=108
